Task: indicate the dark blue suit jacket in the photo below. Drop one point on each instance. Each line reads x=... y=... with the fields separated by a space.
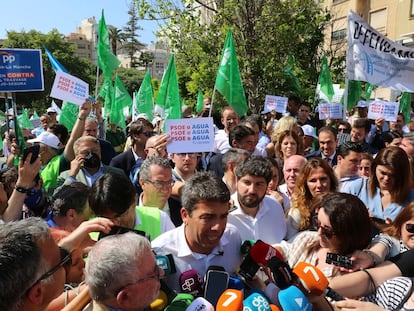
x=317 y=154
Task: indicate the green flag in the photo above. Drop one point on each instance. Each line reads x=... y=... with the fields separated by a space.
x=228 y=80
x=20 y=139
x=69 y=115
x=144 y=99
x=106 y=60
x=35 y=116
x=24 y=121
x=368 y=90
x=405 y=106
x=289 y=73
x=168 y=100
x=354 y=94
x=200 y=104
x=122 y=99
x=325 y=79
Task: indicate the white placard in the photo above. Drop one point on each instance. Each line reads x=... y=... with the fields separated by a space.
x=190 y=135
x=330 y=111
x=69 y=88
x=276 y=103
x=383 y=109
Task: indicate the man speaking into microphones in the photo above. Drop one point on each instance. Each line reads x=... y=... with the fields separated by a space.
x=204 y=239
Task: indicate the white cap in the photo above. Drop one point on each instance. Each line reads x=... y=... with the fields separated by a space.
x=48 y=139
x=51 y=109
x=362 y=104
x=309 y=130
x=143 y=116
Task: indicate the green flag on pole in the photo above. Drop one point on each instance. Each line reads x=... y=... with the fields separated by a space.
x=289 y=72
x=69 y=115
x=144 y=98
x=200 y=104
x=228 y=80
x=368 y=90
x=168 y=103
x=354 y=94
x=325 y=79
x=24 y=121
x=106 y=60
x=122 y=99
x=405 y=106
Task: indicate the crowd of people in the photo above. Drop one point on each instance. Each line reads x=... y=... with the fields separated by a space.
x=107 y=219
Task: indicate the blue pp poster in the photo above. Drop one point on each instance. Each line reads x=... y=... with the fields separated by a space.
x=21 y=70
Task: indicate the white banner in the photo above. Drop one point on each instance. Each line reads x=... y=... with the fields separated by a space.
x=373 y=58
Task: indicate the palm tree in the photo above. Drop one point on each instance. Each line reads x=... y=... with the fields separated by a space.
x=115 y=36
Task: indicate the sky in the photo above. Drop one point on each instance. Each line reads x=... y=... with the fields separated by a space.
x=66 y=16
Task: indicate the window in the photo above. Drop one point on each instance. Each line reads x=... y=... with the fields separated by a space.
x=378 y=20
x=339 y=29
x=338 y=35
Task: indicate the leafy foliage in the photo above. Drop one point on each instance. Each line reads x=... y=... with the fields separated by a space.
x=265 y=33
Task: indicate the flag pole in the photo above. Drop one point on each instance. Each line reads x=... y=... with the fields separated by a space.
x=97 y=81
x=212 y=100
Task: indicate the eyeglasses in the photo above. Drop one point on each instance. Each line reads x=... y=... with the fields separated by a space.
x=342 y=129
x=409 y=228
x=190 y=155
x=326 y=232
x=161 y=184
x=148 y=134
x=65 y=260
x=155 y=276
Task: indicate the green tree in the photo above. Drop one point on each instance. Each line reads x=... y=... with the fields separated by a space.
x=145 y=59
x=62 y=50
x=265 y=32
x=131 y=43
x=115 y=36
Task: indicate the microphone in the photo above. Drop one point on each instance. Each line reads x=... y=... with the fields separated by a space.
x=160 y=303
x=246 y=246
x=279 y=272
x=293 y=299
x=230 y=300
x=261 y=252
x=257 y=302
x=200 y=304
x=191 y=283
x=235 y=283
x=180 y=303
x=166 y=263
x=314 y=281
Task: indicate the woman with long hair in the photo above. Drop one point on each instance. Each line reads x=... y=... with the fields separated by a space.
x=316 y=177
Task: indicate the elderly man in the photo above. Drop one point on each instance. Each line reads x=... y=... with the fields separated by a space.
x=87 y=166
x=229 y=118
x=32 y=266
x=204 y=239
x=122 y=274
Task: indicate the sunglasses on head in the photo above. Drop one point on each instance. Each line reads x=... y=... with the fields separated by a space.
x=409 y=228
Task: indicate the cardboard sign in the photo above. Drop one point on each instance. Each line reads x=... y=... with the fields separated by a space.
x=190 y=135
x=383 y=109
x=69 y=88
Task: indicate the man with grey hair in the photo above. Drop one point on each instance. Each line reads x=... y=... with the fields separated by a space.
x=156 y=181
x=122 y=273
x=33 y=266
x=87 y=166
x=257 y=216
x=204 y=239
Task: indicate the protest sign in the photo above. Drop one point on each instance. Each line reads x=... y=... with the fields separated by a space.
x=69 y=88
x=21 y=70
x=276 y=103
x=374 y=58
x=330 y=111
x=190 y=135
x=383 y=109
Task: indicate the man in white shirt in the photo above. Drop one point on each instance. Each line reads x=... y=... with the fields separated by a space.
x=257 y=215
x=204 y=239
x=229 y=118
x=291 y=169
